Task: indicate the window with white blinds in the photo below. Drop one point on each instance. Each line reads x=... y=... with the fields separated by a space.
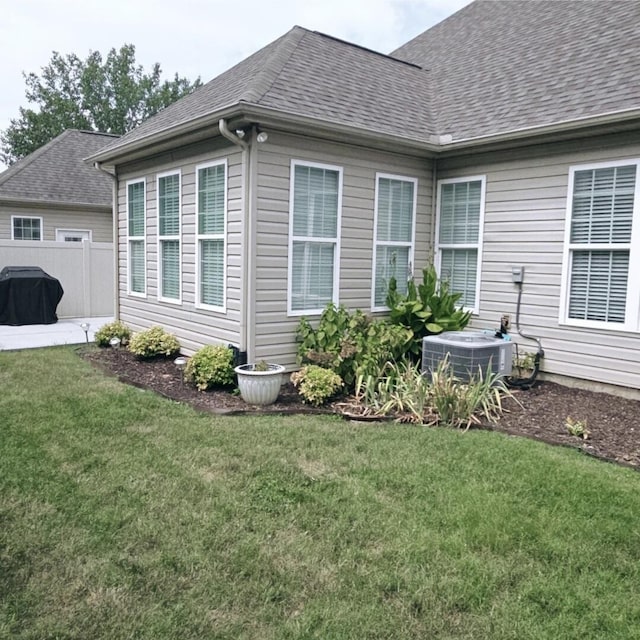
x=395 y=210
x=136 y=239
x=459 y=236
x=211 y=187
x=599 y=248
x=316 y=193
x=168 y=194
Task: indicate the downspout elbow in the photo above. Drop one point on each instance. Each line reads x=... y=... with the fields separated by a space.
x=224 y=130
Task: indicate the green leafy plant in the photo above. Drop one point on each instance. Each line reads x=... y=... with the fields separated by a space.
x=211 y=366
x=426 y=308
x=316 y=384
x=154 y=342
x=350 y=343
x=577 y=428
x=461 y=404
x=116 y=329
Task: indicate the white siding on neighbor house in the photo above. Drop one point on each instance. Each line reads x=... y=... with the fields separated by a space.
x=524 y=224
x=100 y=223
x=194 y=327
x=274 y=329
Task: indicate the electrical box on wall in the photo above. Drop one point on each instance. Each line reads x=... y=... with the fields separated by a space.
x=517 y=274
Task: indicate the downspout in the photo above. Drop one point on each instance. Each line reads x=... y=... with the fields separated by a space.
x=246 y=253
x=434 y=213
x=116 y=238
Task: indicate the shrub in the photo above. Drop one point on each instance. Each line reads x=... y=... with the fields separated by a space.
x=210 y=366
x=427 y=308
x=154 y=342
x=350 y=343
x=316 y=384
x=114 y=329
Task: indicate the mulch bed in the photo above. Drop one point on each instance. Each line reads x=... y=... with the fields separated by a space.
x=613 y=423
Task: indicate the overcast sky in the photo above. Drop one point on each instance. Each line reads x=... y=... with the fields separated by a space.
x=190 y=37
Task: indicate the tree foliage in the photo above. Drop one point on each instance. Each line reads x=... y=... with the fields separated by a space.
x=111 y=95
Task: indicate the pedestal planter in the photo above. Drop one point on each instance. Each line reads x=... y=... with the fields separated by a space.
x=259 y=385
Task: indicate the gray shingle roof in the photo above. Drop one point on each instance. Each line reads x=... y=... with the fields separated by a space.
x=57 y=172
x=494 y=66
x=305 y=73
x=505 y=65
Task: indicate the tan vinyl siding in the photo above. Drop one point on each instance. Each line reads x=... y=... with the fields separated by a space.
x=98 y=222
x=524 y=224
x=274 y=330
x=194 y=327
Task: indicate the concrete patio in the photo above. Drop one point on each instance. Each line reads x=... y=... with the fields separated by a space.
x=65 y=331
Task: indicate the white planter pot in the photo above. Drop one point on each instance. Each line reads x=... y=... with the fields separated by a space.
x=259 y=387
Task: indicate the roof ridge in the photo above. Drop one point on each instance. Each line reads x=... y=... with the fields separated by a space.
x=25 y=162
x=278 y=57
x=368 y=50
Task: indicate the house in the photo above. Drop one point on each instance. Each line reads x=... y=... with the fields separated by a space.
x=506 y=136
x=52 y=194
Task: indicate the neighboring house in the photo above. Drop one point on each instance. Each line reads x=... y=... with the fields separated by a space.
x=508 y=135
x=52 y=194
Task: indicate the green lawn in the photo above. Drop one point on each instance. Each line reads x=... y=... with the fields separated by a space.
x=124 y=515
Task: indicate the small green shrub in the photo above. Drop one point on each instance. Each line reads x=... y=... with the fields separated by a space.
x=316 y=384
x=154 y=342
x=577 y=428
x=427 y=308
x=114 y=329
x=210 y=366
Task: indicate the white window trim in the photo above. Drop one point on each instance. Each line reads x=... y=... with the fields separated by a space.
x=161 y=239
x=143 y=237
x=39 y=218
x=89 y=231
x=215 y=236
x=336 y=241
x=438 y=247
x=390 y=243
x=632 y=319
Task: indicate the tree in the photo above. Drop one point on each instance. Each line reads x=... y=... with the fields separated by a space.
x=111 y=96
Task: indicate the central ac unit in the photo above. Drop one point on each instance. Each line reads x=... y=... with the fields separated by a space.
x=468 y=351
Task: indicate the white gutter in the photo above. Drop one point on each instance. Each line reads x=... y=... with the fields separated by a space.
x=246 y=249
x=116 y=239
x=614 y=117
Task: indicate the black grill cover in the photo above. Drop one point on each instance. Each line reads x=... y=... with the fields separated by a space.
x=28 y=295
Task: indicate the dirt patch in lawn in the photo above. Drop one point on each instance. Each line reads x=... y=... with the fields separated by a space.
x=613 y=423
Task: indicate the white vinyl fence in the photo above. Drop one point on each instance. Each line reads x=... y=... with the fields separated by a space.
x=84 y=269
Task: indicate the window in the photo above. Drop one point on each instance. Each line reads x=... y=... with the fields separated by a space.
x=26 y=228
x=211 y=186
x=136 y=212
x=395 y=211
x=459 y=236
x=168 y=190
x=602 y=246
x=73 y=235
x=316 y=194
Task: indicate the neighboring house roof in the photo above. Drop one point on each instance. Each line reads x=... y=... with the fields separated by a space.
x=507 y=65
x=495 y=66
x=56 y=172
